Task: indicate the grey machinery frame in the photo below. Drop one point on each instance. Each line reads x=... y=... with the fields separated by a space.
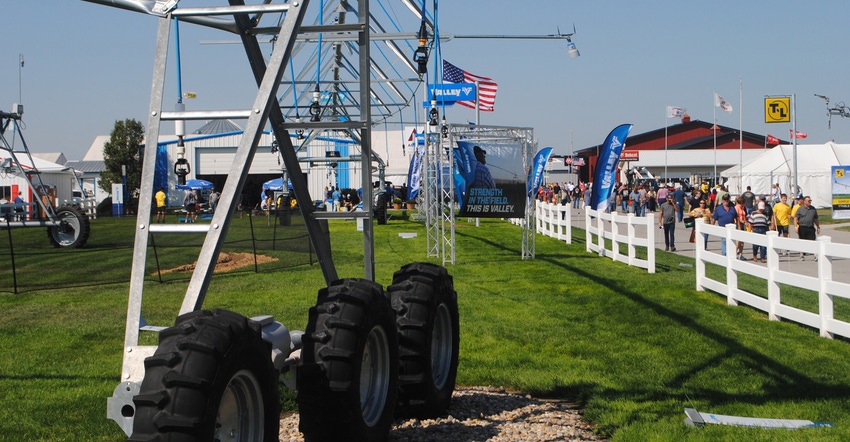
x=266 y=109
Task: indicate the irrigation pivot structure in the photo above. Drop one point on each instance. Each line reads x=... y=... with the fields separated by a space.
x=367 y=353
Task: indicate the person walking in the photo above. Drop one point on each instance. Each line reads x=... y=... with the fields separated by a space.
x=19 y=207
x=782 y=217
x=661 y=195
x=724 y=214
x=679 y=198
x=759 y=223
x=741 y=223
x=775 y=194
x=749 y=200
x=337 y=199
x=701 y=211
x=213 y=200
x=160 y=205
x=806 y=223
x=794 y=208
x=642 y=202
x=190 y=201
x=624 y=198
x=634 y=201
x=575 y=196
x=667 y=218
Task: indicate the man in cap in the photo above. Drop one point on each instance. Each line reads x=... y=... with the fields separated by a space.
x=749 y=200
x=482 y=179
x=724 y=214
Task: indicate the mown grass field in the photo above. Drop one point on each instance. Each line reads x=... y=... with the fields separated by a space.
x=634 y=349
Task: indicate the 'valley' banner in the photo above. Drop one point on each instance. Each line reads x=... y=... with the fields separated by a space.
x=489 y=179
x=535 y=175
x=605 y=175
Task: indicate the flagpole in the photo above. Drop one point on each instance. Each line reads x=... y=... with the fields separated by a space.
x=714 y=133
x=666 y=122
x=741 y=130
x=796 y=186
x=477 y=104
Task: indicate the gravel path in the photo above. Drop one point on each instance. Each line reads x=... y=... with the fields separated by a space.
x=485 y=414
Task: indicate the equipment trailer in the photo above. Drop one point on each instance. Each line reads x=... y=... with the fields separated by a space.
x=367 y=354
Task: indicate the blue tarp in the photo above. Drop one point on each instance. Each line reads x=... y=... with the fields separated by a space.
x=276 y=184
x=195 y=185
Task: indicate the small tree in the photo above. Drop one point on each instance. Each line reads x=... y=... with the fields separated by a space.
x=122 y=149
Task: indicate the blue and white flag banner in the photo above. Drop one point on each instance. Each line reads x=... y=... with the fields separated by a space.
x=459 y=177
x=450 y=93
x=535 y=175
x=415 y=172
x=605 y=175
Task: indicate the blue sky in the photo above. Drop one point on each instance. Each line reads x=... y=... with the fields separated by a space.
x=88 y=65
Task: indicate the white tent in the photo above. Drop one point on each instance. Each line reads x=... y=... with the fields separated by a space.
x=814 y=166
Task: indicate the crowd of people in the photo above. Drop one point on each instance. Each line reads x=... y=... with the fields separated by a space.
x=676 y=205
x=747 y=211
x=576 y=195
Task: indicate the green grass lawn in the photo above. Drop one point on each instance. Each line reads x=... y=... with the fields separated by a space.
x=634 y=349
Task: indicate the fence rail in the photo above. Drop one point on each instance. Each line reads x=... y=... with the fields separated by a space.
x=606 y=226
x=826 y=287
x=554 y=221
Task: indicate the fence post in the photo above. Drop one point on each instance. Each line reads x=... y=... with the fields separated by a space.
x=615 y=229
x=568 y=218
x=630 y=229
x=699 y=250
x=588 y=236
x=554 y=220
x=825 y=303
x=650 y=247
x=773 y=289
x=600 y=232
x=731 y=256
x=538 y=212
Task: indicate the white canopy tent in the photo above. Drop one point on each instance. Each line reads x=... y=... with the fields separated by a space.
x=814 y=166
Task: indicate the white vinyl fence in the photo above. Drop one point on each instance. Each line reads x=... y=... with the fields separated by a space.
x=607 y=226
x=823 y=283
x=554 y=220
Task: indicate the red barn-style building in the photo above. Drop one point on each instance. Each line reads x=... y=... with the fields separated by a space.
x=690 y=150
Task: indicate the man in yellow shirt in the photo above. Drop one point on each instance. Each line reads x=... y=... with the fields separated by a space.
x=782 y=217
x=160 y=205
x=796 y=206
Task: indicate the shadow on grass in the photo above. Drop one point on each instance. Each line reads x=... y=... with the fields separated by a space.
x=785 y=383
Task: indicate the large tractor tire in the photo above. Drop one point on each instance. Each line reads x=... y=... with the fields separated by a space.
x=348 y=375
x=73 y=229
x=210 y=379
x=425 y=303
x=380 y=209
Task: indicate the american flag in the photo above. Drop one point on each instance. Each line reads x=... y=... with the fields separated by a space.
x=486 y=86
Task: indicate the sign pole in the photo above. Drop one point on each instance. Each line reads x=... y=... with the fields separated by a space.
x=796 y=186
x=782 y=109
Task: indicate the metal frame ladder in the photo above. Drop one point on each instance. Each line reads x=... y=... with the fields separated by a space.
x=266 y=109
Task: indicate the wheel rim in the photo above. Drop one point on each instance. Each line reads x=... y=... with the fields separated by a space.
x=441 y=346
x=240 y=412
x=374 y=376
x=67 y=230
